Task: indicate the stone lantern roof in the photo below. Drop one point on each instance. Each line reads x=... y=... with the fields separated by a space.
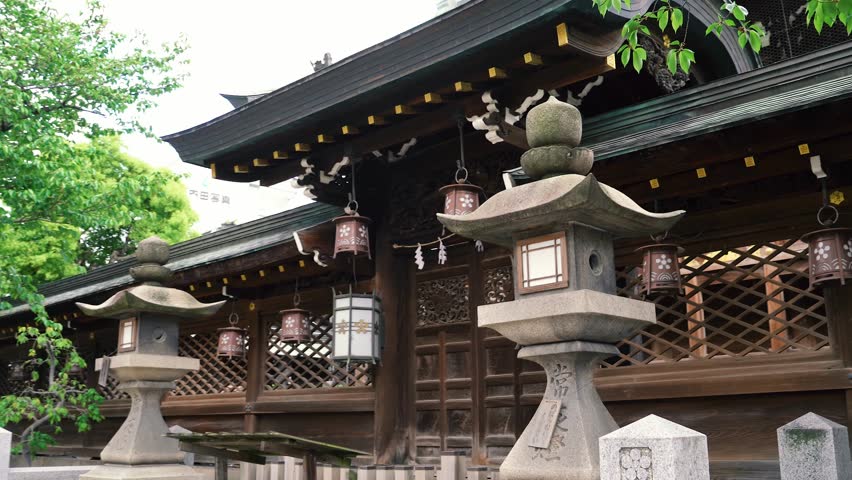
x=151 y=296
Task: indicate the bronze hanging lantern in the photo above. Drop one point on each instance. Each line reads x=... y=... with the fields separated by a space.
x=232 y=339
x=461 y=198
x=295 y=322
x=77 y=371
x=352 y=233
x=17 y=373
x=661 y=268
x=829 y=251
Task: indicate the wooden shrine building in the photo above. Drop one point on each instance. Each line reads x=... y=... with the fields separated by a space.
x=746 y=348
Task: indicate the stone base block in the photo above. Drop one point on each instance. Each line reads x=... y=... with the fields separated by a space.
x=654 y=448
x=143 y=472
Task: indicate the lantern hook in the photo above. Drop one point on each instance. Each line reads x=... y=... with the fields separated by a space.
x=233 y=319
x=297 y=299
x=830 y=220
x=461 y=174
x=352 y=206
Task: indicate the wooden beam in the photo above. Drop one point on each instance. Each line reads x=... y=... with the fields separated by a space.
x=550 y=77
x=838 y=306
x=261 y=162
x=432 y=98
x=533 y=59
x=222 y=453
x=496 y=73
x=213 y=170
x=376 y=120
x=462 y=87
x=562 y=35
x=403 y=109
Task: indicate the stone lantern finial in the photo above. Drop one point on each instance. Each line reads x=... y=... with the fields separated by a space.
x=152 y=255
x=554 y=131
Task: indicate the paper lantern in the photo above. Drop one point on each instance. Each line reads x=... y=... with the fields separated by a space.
x=660 y=268
x=357 y=327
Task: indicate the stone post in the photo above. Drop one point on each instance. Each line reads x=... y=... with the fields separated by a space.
x=814 y=448
x=5 y=453
x=654 y=448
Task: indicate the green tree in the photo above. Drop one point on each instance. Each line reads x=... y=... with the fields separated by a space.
x=65 y=206
x=668 y=18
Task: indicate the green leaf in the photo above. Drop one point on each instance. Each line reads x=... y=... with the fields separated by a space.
x=677 y=18
x=738 y=12
x=663 y=19
x=625 y=57
x=742 y=39
x=671 y=61
x=639 y=56
x=754 y=41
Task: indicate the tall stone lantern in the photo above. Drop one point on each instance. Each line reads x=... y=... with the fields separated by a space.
x=146 y=365
x=566 y=316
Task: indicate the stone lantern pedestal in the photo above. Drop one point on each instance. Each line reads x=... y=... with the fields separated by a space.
x=566 y=315
x=146 y=366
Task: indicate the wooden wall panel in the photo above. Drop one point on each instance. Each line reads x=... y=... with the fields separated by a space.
x=354 y=430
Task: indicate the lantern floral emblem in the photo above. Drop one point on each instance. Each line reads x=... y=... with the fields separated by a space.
x=664 y=262
x=821 y=251
x=636 y=464
x=466 y=201
x=848 y=248
x=345 y=230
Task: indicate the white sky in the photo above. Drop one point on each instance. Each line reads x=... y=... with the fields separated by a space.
x=243 y=47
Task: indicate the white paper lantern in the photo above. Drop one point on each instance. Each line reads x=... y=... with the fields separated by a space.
x=357 y=323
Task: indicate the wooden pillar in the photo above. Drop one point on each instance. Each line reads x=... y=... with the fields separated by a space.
x=255 y=368
x=695 y=324
x=775 y=308
x=394 y=380
x=838 y=308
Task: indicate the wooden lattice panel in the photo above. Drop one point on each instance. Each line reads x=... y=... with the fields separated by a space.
x=216 y=374
x=111 y=391
x=309 y=365
x=746 y=301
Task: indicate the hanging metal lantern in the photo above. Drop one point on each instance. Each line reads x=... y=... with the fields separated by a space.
x=18 y=372
x=352 y=234
x=295 y=322
x=660 y=268
x=232 y=339
x=357 y=327
x=829 y=250
x=460 y=198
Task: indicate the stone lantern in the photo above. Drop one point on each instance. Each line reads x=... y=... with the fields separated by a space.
x=146 y=366
x=566 y=316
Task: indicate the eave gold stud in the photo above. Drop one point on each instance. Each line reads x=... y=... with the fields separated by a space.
x=463 y=87
x=302 y=147
x=533 y=59
x=562 y=35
